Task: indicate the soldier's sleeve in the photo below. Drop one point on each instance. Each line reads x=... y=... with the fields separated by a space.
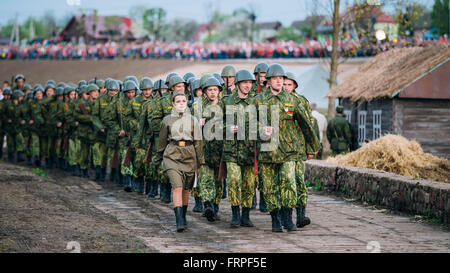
x=162 y=143
x=111 y=121
x=329 y=131
x=80 y=117
x=307 y=128
x=198 y=143
x=98 y=125
x=39 y=115
x=348 y=134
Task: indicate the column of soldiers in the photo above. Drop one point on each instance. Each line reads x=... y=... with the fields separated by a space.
x=96 y=124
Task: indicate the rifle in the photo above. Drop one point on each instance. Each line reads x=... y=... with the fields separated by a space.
x=255 y=157
x=222 y=167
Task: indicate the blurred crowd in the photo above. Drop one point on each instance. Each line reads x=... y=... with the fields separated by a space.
x=199 y=51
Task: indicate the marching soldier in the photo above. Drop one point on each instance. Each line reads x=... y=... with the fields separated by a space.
x=228 y=75
x=278 y=155
x=3 y=120
x=26 y=128
x=19 y=81
x=180 y=150
x=14 y=138
x=338 y=133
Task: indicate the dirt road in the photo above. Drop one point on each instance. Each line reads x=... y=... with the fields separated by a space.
x=46 y=214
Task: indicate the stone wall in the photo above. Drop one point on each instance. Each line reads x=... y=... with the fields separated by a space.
x=396 y=192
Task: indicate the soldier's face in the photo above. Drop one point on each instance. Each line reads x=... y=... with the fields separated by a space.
x=289 y=85
x=102 y=90
x=147 y=92
x=230 y=80
x=20 y=98
x=179 y=87
x=262 y=77
x=39 y=95
x=112 y=92
x=60 y=97
x=85 y=96
x=245 y=86
x=72 y=95
x=130 y=94
x=20 y=83
x=276 y=83
x=212 y=93
x=198 y=93
x=163 y=90
x=180 y=103
x=50 y=92
x=93 y=95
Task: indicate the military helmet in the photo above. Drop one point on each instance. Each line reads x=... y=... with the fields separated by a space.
x=170 y=76
x=49 y=85
x=188 y=76
x=17 y=93
x=27 y=87
x=38 y=87
x=7 y=91
x=195 y=84
x=82 y=89
x=177 y=93
x=100 y=83
x=340 y=109
x=218 y=77
x=291 y=76
x=228 y=71
x=107 y=81
x=146 y=83
x=261 y=67
x=81 y=83
x=91 y=87
x=211 y=82
x=174 y=80
x=275 y=70
x=244 y=75
x=59 y=91
x=68 y=89
x=130 y=85
x=30 y=95
x=19 y=76
x=160 y=84
x=94 y=81
x=190 y=80
x=61 y=84
x=113 y=85
x=204 y=78
x=50 y=82
x=132 y=78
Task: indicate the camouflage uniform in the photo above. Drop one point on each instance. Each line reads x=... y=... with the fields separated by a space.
x=338 y=134
x=14 y=138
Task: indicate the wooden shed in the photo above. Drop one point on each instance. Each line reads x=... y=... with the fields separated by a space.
x=403 y=91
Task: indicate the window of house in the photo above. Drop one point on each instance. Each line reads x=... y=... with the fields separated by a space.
x=362 y=127
x=348 y=115
x=376 y=124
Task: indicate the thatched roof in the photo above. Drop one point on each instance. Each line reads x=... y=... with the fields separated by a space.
x=390 y=72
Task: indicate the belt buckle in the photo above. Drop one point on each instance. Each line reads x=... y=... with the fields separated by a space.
x=181 y=143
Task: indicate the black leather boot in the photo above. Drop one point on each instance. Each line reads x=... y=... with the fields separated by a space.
x=179 y=218
x=209 y=211
x=236 y=216
x=184 y=216
x=286 y=218
x=216 y=212
x=276 y=221
x=198 y=205
x=245 y=219
x=302 y=220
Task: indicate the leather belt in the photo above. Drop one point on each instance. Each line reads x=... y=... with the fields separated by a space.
x=182 y=143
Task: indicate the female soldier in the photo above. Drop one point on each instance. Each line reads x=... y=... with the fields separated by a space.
x=180 y=147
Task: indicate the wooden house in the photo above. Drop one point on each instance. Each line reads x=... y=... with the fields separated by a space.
x=403 y=91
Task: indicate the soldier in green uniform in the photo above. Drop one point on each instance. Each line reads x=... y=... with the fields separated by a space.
x=19 y=81
x=180 y=150
x=26 y=132
x=37 y=131
x=14 y=138
x=239 y=149
x=74 y=141
x=278 y=154
x=228 y=75
x=3 y=120
x=102 y=87
x=138 y=150
x=306 y=153
x=117 y=121
x=209 y=183
x=338 y=133
x=59 y=94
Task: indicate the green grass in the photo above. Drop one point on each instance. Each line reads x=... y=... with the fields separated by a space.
x=40 y=172
x=317 y=185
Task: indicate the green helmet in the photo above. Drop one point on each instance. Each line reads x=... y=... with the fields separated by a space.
x=19 y=76
x=94 y=81
x=211 y=82
x=291 y=76
x=49 y=85
x=100 y=83
x=107 y=81
x=59 y=91
x=228 y=71
x=68 y=89
x=176 y=94
x=81 y=83
x=61 y=84
x=244 y=75
x=195 y=84
x=129 y=85
x=50 y=82
x=7 y=91
x=91 y=87
x=170 y=76
x=113 y=85
x=160 y=84
x=146 y=83
x=132 y=78
x=261 y=67
x=30 y=95
x=82 y=89
x=188 y=76
x=340 y=109
x=17 y=93
x=218 y=77
x=204 y=78
x=275 y=70
x=174 y=80
x=38 y=87
x=27 y=87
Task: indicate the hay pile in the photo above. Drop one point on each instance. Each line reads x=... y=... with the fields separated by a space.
x=390 y=72
x=395 y=154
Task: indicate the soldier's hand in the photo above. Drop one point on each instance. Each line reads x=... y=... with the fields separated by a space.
x=268 y=130
x=59 y=124
x=309 y=157
x=122 y=133
x=31 y=122
x=23 y=122
x=102 y=130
